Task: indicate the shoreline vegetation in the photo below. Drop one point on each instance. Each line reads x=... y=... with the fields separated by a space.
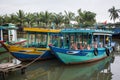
x=59 y=20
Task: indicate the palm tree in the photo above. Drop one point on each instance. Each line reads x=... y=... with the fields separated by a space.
x=13 y=18
x=29 y=19
x=89 y=18
x=38 y=18
x=114 y=13
x=21 y=17
x=46 y=18
x=69 y=16
x=79 y=18
x=7 y=19
x=57 y=19
x=85 y=18
x=1 y=20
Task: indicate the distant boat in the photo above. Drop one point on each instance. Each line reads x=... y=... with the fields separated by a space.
x=81 y=46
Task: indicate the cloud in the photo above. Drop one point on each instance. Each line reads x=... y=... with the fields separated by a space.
x=100 y=7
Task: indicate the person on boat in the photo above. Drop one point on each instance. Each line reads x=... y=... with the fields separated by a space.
x=101 y=45
x=74 y=46
x=88 y=47
x=95 y=45
x=61 y=41
x=95 y=39
x=107 y=40
x=67 y=41
x=81 y=47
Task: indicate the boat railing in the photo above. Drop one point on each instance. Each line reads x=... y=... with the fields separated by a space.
x=37 y=45
x=85 y=46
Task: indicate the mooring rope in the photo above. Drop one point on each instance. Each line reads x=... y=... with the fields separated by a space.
x=2 y=44
x=24 y=66
x=32 y=61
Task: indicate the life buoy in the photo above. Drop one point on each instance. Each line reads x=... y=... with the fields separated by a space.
x=107 y=51
x=95 y=51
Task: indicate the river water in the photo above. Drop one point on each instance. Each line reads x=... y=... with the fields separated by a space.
x=106 y=69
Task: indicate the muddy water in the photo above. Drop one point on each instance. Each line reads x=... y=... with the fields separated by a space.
x=106 y=69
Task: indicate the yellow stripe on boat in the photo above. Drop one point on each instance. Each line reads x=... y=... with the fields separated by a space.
x=18 y=48
x=42 y=30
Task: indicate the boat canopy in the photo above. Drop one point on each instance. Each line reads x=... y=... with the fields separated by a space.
x=8 y=27
x=41 y=30
x=90 y=31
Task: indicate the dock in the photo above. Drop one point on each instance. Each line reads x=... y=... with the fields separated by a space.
x=9 y=67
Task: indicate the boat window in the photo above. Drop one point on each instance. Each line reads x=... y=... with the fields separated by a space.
x=37 y=40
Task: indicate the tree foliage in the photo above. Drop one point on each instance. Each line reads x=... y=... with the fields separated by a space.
x=114 y=13
x=46 y=19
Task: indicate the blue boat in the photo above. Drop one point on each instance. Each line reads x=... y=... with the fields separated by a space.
x=83 y=45
x=32 y=55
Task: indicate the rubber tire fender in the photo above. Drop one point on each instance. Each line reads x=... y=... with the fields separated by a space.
x=107 y=51
x=95 y=51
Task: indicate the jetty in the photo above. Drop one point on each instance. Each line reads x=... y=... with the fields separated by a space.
x=5 y=68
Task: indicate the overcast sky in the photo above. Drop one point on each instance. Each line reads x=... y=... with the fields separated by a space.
x=100 y=7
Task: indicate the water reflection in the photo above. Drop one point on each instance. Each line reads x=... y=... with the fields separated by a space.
x=5 y=57
x=54 y=70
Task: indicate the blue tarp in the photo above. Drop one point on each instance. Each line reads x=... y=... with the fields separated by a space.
x=116 y=30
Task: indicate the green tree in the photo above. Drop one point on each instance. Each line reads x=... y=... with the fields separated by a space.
x=57 y=19
x=114 y=13
x=85 y=18
x=38 y=18
x=13 y=18
x=79 y=17
x=29 y=18
x=1 y=20
x=46 y=18
x=69 y=16
x=20 y=17
x=89 y=18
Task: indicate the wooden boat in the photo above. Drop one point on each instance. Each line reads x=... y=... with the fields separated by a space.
x=72 y=52
x=35 y=47
x=28 y=55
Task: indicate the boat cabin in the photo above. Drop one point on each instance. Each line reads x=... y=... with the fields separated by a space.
x=8 y=32
x=85 y=38
x=40 y=37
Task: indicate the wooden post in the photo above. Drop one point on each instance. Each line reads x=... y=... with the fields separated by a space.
x=23 y=70
x=48 y=40
x=69 y=41
x=35 y=39
x=2 y=75
x=1 y=34
x=92 y=39
x=82 y=39
x=110 y=40
x=104 y=41
x=28 y=38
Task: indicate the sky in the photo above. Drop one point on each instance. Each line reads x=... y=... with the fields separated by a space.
x=100 y=7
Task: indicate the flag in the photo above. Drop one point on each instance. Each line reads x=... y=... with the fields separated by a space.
x=105 y=22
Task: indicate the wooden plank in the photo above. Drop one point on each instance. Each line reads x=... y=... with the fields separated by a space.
x=6 y=67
